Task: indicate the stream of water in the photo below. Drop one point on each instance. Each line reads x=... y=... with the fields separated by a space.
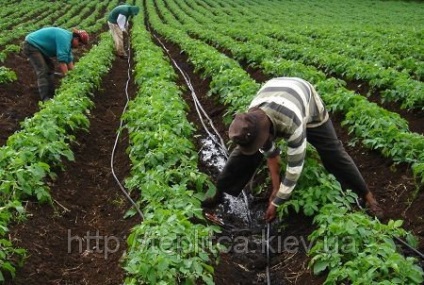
x=213 y=156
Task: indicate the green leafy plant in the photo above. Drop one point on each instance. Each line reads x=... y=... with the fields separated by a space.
x=7 y=75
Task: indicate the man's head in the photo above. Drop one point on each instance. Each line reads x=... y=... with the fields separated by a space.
x=134 y=10
x=79 y=36
x=250 y=130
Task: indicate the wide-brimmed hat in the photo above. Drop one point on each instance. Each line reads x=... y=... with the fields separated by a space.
x=250 y=130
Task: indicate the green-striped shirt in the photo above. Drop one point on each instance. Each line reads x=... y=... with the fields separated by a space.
x=292 y=104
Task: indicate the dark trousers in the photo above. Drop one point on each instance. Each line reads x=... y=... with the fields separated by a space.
x=240 y=168
x=44 y=69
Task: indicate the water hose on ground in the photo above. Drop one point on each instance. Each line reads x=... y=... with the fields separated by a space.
x=201 y=112
x=417 y=252
x=112 y=158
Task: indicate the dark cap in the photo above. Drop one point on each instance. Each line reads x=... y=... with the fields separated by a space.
x=250 y=130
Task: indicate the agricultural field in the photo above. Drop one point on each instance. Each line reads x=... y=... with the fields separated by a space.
x=103 y=183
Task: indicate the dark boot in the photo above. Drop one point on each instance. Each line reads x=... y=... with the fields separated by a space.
x=45 y=93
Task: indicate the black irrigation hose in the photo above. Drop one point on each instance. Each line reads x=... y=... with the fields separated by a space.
x=200 y=111
x=417 y=252
x=221 y=144
x=420 y=254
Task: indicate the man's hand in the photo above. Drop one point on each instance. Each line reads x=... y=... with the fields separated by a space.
x=63 y=68
x=270 y=213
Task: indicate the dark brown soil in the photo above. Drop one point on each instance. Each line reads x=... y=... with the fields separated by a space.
x=80 y=238
x=89 y=203
x=19 y=99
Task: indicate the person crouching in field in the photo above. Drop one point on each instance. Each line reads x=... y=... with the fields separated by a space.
x=118 y=24
x=288 y=108
x=40 y=46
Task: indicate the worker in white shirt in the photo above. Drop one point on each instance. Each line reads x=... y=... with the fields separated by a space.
x=118 y=24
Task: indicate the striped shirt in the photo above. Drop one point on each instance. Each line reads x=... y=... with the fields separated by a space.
x=292 y=104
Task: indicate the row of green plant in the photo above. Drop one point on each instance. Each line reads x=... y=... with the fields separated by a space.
x=96 y=21
x=79 y=15
x=172 y=245
x=397 y=46
x=347 y=245
x=393 y=85
x=9 y=9
x=209 y=62
x=316 y=188
x=371 y=57
x=393 y=23
x=374 y=126
x=97 y=16
x=31 y=154
x=29 y=12
x=354 y=248
x=23 y=28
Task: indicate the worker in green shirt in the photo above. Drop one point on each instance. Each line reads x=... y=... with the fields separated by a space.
x=118 y=25
x=44 y=44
